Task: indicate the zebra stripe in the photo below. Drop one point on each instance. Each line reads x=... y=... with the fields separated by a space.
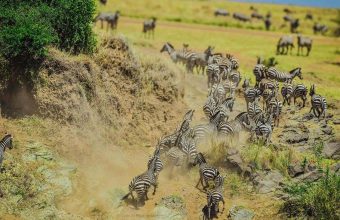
x=319 y=104
x=273 y=73
x=287 y=92
x=300 y=91
x=6 y=142
x=215 y=196
x=206 y=172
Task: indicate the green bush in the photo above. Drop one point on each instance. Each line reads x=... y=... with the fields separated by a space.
x=28 y=27
x=319 y=199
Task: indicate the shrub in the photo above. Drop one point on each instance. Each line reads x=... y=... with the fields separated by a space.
x=319 y=199
x=29 y=27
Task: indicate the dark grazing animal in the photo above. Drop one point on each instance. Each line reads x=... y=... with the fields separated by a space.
x=221 y=12
x=103 y=2
x=6 y=142
x=241 y=17
x=320 y=28
x=287 y=10
x=207 y=172
x=110 y=18
x=319 y=104
x=285 y=42
x=149 y=27
x=294 y=24
x=288 y=18
x=267 y=23
x=304 y=42
x=309 y=16
x=256 y=15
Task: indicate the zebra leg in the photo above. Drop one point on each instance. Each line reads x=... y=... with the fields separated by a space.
x=154 y=188
x=199 y=180
x=223 y=205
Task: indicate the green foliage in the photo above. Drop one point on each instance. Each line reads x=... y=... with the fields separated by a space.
x=29 y=27
x=319 y=199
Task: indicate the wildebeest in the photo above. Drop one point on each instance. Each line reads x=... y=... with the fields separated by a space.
x=304 y=42
x=267 y=23
x=294 y=25
x=103 y=2
x=256 y=15
x=287 y=10
x=149 y=27
x=288 y=18
x=320 y=28
x=269 y=15
x=309 y=16
x=285 y=42
x=221 y=12
x=241 y=17
x=253 y=8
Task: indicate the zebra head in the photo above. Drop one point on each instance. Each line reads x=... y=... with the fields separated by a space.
x=296 y=72
x=188 y=116
x=199 y=159
x=229 y=103
x=209 y=51
x=312 y=90
x=167 y=47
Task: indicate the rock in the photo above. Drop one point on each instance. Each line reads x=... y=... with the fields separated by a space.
x=307 y=116
x=170 y=208
x=332 y=150
x=336 y=121
x=36 y=151
x=295 y=170
x=269 y=182
x=235 y=162
x=240 y=213
x=309 y=177
x=327 y=130
x=293 y=138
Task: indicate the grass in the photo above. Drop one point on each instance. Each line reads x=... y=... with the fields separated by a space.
x=319 y=68
x=201 y=12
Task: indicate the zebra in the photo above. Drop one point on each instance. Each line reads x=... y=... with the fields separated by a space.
x=250 y=94
x=268 y=84
x=287 y=93
x=233 y=60
x=207 y=172
x=141 y=184
x=230 y=87
x=235 y=77
x=201 y=59
x=241 y=122
x=285 y=42
x=112 y=20
x=319 y=104
x=259 y=71
x=300 y=91
x=177 y=56
x=219 y=92
x=273 y=73
x=6 y=142
x=264 y=130
x=101 y=17
x=215 y=196
x=267 y=95
x=221 y=12
x=156 y=159
x=309 y=16
x=304 y=42
x=274 y=107
x=209 y=106
x=322 y=28
x=241 y=17
x=149 y=27
x=213 y=74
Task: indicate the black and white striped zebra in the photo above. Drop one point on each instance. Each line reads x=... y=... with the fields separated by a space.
x=264 y=130
x=207 y=172
x=149 y=27
x=213 y=74
x=250 y=94
x=215 y=196
x=233 y=60
x=177 y=56
x=141 y=184
x=200 y=60
x=219 y=92
x=233 y=128
x=275 y=108
x=260 y=72
x=287 y=93
x=209 y=106
x=273 y=73
x=6 y=142
x=319 y=104
x=235 y=77
x=300 y=91
x=268 y=84
x=157 y=160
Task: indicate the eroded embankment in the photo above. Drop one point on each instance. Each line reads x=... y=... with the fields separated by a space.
x=95 y=119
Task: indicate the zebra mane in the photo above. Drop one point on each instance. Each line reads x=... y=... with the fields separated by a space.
x=293 y=70
x=202 y=157
x=170 y=45
x=6 y=137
